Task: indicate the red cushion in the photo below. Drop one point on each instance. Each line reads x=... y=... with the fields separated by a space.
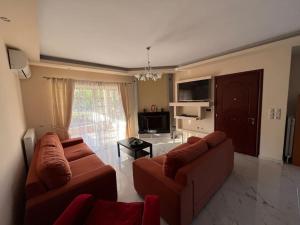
x=193 y=139
x=116 y=213
x=176 y=159
x=77 y=212
x=215 y=138
x=151 y=210
x=77 y=151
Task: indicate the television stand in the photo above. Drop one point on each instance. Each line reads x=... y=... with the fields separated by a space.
x=154 y=122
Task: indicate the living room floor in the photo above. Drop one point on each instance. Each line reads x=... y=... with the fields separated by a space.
x=259 y=192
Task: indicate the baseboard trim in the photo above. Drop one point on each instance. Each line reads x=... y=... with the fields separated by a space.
x=271 y=159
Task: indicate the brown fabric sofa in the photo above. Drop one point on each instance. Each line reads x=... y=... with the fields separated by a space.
x=60 y=171
x=198 y=176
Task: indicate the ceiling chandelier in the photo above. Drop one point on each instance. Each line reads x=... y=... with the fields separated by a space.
x=148 y=74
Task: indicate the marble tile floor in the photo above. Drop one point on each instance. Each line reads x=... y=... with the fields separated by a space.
x=259 y=192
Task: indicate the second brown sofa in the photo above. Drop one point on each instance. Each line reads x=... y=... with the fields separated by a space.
x=187 y=177
x=60 y=171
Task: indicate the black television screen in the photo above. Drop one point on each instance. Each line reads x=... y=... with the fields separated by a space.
x=194 y=90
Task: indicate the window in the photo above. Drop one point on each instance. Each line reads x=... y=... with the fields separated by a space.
x=97 y=114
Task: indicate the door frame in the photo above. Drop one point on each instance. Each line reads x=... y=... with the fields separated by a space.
x=260 y=93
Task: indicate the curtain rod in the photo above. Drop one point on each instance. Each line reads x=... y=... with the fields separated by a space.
x=49 y=78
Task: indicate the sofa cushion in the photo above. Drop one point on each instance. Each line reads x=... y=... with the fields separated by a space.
x=182 y=146
x=50 y=139
x=71 y=141
x=215 y=138
x=116 y=213
x=193 y=139
x=176 y=159
x=52 y=167
x=77 y=151
x=161 y=158
x=85 y=165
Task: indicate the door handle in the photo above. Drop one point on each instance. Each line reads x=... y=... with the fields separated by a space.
x=251 y=120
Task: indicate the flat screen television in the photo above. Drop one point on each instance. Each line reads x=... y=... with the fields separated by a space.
x=198 y=90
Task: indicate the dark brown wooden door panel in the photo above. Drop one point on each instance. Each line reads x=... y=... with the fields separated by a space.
x=238 y=109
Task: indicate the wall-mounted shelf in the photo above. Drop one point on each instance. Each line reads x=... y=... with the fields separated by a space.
x=199 y=105
x=187 y=117
x=193 y=104
x=196 y=113
x=193 y=131
x=192 y=117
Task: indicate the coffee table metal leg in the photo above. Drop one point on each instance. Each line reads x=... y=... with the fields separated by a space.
x=118 y=150
x=151 y=151
x=134 y=154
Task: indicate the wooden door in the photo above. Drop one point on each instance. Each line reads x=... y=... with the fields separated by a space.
x=238 y=109
x=296 y=145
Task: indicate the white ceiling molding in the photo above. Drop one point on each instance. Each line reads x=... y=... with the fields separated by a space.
x=77 y=67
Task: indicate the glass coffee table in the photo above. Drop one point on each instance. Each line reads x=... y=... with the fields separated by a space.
x=136 y=151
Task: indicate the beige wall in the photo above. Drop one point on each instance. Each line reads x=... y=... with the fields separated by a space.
x=12 y=128
x=153 y=93
x=36 y=93
x=275 y=59
x=22 y=31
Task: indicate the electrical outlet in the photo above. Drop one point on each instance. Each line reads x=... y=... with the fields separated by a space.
x=271 y=113
x=278 y=114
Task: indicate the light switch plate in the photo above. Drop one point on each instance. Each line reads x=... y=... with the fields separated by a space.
x=271 y=113
x=278 y=114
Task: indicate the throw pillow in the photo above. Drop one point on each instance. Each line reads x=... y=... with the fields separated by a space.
x=215 y=138
x=177 y=159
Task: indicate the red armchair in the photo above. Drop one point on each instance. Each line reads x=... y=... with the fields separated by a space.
x=85 y=209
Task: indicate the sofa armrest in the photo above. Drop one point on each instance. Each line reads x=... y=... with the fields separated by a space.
x=153 y=170
x=100 y=182
x=175 y=199
x=71 y=142
x=77 y=212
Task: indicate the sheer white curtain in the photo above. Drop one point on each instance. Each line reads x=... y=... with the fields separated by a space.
x=98 y=114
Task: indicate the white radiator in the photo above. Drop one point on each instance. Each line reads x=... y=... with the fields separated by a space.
x=29 y=140
x=289 y=138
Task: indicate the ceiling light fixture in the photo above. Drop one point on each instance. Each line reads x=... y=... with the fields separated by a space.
x=5 y=19
x=148 y=74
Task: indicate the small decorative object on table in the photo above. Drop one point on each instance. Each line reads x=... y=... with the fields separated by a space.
x=135 y=142
x=153 y=108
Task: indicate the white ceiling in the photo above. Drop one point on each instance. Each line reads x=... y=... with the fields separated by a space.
x=180 y=31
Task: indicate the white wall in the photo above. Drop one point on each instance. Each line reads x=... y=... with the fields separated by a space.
x=12 y=128
x=275 y=59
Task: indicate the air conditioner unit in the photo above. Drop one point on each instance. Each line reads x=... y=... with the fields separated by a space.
x=18 y=62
